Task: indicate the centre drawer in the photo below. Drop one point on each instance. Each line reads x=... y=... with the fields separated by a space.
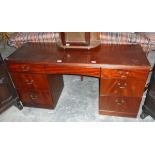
x=122 y=87
x=30 y=81
x=80 y=70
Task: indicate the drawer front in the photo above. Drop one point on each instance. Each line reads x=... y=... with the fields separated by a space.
x=123 y=74
x=36 y=98
x=122 y=87
x=29 y=68
x=30 y=81
x=119 y=106
x=51 y=69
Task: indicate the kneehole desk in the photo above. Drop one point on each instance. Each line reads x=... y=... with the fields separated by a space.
x=37 y=68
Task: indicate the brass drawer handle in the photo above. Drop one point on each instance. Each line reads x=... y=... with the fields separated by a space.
x=25 y=68
x=29 y=82
x=122 y=86
x=119 y=102
x=33 y=97
x=123 y=74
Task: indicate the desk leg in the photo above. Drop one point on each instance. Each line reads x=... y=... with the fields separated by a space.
x=81 y=77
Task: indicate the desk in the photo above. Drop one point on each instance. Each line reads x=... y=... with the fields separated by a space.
x=37 y=68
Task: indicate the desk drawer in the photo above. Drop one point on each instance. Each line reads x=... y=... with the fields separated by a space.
x=119 y=106
x=35 y=98
x=122 y=87
x=51 y=69
x=22 y=67
x=30 y=81
x=124 y=73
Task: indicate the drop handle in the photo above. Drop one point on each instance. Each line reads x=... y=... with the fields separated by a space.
x=25 y=68
x=121 y=102
x=122 y=86
x=123 y=74
x=33 y=97
x=29 y=82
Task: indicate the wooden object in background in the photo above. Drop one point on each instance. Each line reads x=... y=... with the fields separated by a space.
x=8 y=95
x=149 y=104
x=79 y=40
x=75 y=38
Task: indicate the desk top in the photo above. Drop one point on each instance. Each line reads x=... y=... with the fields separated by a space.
x=102 y=56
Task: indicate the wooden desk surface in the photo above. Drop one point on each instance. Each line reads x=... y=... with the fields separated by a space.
x=103 y=56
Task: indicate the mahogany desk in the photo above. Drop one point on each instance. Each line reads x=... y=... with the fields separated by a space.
x=37 y=68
